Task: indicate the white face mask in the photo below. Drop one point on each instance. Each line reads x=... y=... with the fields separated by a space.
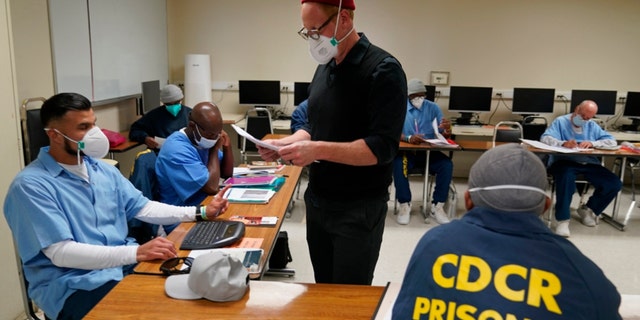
x=417 y=102
x=205 y=143
x=324 y=49
x=94 y=143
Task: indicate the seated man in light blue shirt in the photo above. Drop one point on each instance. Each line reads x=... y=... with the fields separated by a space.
x=417 y=127
x=68 y=214
x=193 y=159
x=575 y=130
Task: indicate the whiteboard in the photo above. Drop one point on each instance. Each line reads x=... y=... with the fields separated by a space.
x=124 y=42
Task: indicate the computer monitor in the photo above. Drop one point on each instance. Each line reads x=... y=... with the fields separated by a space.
x=431 y=93
x=259 y=92
x=532 y=101
x=300 y=92
x=605 y=99
x=150 y=95
x=469 y=100
x=632 y=110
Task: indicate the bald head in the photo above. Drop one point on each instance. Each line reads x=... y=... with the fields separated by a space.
x=206 y=116
x=587 y=109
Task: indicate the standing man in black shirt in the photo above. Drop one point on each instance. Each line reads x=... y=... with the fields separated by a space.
x=357 y=104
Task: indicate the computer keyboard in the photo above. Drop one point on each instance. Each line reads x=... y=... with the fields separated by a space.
x=212 y=234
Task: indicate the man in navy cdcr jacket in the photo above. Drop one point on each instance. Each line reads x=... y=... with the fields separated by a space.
x=500 y=261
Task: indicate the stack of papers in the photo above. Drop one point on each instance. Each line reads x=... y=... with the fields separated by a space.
x=251 y=180
x=249 y=195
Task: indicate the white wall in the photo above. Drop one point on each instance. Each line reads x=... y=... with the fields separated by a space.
x=565 y=45
x=10 y=297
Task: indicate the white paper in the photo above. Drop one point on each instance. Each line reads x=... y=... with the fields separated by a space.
x=249 y=195
x=160 y=141
x=544 y=146
x=440 y=139
x=251 y=138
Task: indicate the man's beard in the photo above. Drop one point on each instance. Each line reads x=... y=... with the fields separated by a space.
x=69 y=150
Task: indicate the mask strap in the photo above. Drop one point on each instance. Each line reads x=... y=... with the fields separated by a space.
x=508 y=186
x=334 y=41
x=79 y=143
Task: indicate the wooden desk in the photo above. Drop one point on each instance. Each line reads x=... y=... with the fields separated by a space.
x=123 y=147
x=277 y=206
x=143 y=297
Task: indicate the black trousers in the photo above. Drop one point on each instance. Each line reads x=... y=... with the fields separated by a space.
x=81 y=302
x=344 y=238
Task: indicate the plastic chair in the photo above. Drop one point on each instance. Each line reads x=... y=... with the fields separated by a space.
x=258 y=124
x=511 y=134
x=33 y=134
x=143 y=177
x=533 y=127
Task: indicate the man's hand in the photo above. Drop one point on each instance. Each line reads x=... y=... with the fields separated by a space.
x=416 y=138
x=218 y=204
x=156 y=248
x=301 y=153
x=570 y=144
x=151 y=142
x=268 y=154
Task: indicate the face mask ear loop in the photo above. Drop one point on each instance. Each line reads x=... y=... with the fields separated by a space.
x=335 y=41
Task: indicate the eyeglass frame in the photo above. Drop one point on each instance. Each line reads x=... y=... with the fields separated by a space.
x=168 y=267
x=315 y=33
x=217 y=136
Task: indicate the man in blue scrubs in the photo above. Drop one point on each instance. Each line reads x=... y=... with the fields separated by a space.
x=68 y=214
x=193 y=159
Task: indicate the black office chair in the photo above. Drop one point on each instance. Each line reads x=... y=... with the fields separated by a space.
x=533 y=127
x=258 y=124
x=507 y=131
x=33 y=135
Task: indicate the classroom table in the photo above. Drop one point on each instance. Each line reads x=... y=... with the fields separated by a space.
x=143 y=297
x=277 y=206
x=123 y=147
x=620 y=153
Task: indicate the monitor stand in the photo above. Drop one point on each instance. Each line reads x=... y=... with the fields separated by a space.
x=465 y=118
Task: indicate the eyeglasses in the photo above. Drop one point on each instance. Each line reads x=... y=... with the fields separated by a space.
x=210 y=136
x=314 y=33
x=169 y=267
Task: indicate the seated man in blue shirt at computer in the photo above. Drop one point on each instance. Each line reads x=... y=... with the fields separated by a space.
x=193 y=159
x=417 y=127
x=162 y=121
x=68 y=214
x=571 y=131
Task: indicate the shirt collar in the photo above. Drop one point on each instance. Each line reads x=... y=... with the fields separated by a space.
x=524 y=223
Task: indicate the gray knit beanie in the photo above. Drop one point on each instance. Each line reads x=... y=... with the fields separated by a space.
x=512 y=169
x=170 y=93
x=415 y=86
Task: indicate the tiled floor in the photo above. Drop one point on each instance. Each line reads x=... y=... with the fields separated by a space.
x=616 y=252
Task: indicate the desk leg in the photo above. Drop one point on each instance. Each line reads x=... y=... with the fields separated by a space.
x=611 y=219
x=425 y=196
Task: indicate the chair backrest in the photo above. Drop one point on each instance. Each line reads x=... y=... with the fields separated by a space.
x=33 y=135
x=258 y=124
x=533 y=127
x=507 y=131
x=143 y=177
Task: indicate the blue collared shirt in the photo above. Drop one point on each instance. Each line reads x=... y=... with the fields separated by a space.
x=47 y=204
x=419 y=120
